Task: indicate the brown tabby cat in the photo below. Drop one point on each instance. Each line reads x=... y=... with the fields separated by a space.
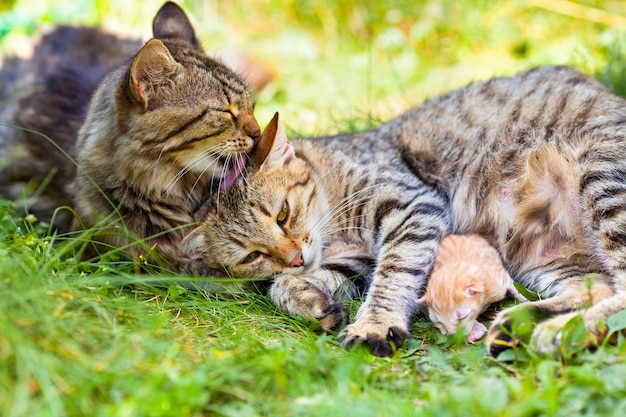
x=535 y=162
x=467 y=277
x=161 y=131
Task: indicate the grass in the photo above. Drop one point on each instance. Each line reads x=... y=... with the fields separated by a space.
x=98 y=340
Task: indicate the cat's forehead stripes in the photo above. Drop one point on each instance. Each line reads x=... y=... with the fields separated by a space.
x=234 y=85
x=263 y=209
x=178 y=130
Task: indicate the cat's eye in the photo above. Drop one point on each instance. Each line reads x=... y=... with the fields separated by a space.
x=283 y=215
x=252 y=256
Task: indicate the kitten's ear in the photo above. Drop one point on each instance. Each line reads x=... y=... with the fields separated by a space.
x=422 y=301
x=194 y=243
x=171 y=23
x=273 y=150
x=473 y=290
x=152 y=65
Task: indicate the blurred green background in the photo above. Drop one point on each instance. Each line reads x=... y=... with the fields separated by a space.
x=342 y=65
x=77 y=340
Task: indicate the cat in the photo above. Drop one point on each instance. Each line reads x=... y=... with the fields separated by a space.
x=534 y=162
x=162 y=130
x=467 y=277
x=324 y=241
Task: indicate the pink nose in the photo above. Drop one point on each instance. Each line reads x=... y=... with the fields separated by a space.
x=297 y=260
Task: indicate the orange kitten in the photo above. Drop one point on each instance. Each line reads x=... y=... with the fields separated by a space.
x=467 y=277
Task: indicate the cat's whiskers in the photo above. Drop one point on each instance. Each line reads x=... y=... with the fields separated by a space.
x=221 y=179
x=244 y=172
x=197 y=181
x=197 y=160
x=326 y=226
x=338 y=227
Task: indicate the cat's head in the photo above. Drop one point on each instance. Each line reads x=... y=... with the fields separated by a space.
x=269 y=223
x=183 y=109
x=455 y=296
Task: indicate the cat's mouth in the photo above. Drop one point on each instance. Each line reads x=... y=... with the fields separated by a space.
x=235 y=167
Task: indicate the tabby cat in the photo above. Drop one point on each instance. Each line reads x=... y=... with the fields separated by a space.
x=162 y=130
x=325 y=240
x=534 y=162
x=467 y=277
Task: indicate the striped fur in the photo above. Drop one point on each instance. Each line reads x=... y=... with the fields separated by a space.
x=358 y=219
x=535 y=162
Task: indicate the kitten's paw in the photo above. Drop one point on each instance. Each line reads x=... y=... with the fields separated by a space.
x=334 y=318
x=476 y=333
x=382 y=340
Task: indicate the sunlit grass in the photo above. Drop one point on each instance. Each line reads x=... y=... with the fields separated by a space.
x=96 y=339
x=337 y=61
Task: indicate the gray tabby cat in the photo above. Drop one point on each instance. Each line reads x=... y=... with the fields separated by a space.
x=535 y=162
x=161 y=132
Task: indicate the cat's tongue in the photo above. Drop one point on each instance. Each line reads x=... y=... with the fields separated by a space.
x=233 y=174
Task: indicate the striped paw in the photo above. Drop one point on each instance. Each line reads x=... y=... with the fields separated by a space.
x=382 y=340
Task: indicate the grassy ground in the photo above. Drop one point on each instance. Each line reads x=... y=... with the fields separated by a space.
x=95 y=339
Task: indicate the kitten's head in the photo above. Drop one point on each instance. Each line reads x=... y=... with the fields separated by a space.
x=268 y=224
x=455 y=296
x=183 y=109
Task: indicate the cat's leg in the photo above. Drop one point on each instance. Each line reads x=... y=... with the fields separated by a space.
x=540 y=323
x=407 y=238
x=314 y=296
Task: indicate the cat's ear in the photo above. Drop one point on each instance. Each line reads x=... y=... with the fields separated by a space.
x=473 y=290
x=152 y=65
x=422 y=301
x=273 y=150
x=171 y=23
x=194 y=243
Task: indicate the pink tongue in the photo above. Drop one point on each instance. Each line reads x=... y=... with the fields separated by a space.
x=233 y=174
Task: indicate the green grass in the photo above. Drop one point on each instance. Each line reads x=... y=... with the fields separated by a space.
x=95 y=339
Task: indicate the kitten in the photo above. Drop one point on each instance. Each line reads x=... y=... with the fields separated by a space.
x=467 y=277
x=534 y=162
x=161 y=131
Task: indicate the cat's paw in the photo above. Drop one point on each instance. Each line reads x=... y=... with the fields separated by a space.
x=334 y=318
x=511 y=327
x=566 y=334
x=382 y=340
x=547 y=336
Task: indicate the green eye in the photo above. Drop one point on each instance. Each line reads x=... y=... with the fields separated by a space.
x=283 y=215
x=253 y=256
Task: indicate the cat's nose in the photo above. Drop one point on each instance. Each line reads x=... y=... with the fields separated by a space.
x=252 y=129
x=297 y=260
